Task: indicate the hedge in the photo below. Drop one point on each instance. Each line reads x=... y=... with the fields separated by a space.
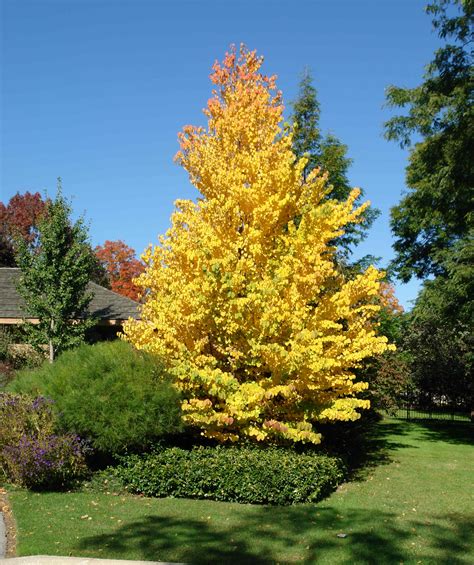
x=230 y=474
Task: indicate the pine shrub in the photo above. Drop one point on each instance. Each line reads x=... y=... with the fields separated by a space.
x=111 y=394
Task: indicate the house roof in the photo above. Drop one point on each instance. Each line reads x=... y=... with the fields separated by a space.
x=105 y=304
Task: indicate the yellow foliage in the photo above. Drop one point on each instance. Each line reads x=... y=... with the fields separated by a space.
x=244 y=299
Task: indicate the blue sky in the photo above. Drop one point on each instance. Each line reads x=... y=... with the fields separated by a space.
x=96 y=91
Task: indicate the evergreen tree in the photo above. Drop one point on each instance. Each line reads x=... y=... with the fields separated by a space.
x=330 y=155
x=307 y=135
x=55 y=269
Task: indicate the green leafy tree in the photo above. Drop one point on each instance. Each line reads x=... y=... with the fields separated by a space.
x=328 y=153
x=441 y=360
x=18 y=220
x=439 y=337
x=434 y=222
x=56 y=267
x=438 y=208
x=451 y=296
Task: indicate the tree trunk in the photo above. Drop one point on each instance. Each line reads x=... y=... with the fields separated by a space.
x=51 y=348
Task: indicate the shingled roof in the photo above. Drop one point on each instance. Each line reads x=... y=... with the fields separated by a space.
x=106 y=305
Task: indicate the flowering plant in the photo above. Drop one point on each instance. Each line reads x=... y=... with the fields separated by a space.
x=31 y=453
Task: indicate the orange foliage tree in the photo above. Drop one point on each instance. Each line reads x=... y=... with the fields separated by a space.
x=122 y=267
x=388 y=299
x=18 y=219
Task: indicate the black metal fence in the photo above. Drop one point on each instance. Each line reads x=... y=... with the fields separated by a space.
x=445 y=413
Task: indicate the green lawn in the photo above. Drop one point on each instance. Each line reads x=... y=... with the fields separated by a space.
x=416 y=505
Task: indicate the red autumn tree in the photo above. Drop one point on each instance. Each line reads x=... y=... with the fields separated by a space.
x=122 y=267
x=18 y=219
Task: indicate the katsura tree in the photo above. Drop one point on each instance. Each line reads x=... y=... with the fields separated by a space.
x=243 y=297
x=56 y=267
x=122 y=267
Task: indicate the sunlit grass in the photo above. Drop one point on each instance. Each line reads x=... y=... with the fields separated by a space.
x=415 y=507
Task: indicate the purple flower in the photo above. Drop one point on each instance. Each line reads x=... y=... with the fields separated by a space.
x=30 y=452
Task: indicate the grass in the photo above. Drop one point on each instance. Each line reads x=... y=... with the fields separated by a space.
x=414 y=504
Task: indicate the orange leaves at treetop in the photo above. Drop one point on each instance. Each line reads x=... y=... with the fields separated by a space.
x=244 y=298
x=122 y=267
x=217 y=159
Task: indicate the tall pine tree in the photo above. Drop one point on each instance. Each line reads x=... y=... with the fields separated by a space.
x=330 y=155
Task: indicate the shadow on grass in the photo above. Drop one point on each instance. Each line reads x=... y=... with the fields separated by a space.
x=450 y=432
x=369 y=445
x=304 y=534
x=377 y=443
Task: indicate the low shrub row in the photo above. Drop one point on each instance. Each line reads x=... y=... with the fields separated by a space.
x=15 y=355
x=230 y=474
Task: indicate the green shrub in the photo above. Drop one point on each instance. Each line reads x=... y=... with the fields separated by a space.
x=15 y=355
x=14 y=351
x=31 y=454
x=230 y=474
x=109 y=393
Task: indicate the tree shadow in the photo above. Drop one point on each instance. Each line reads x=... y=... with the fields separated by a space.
x=450 y=432
x=304 y=534
x=369 y=446
x=455 y=545
x=159 y=537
